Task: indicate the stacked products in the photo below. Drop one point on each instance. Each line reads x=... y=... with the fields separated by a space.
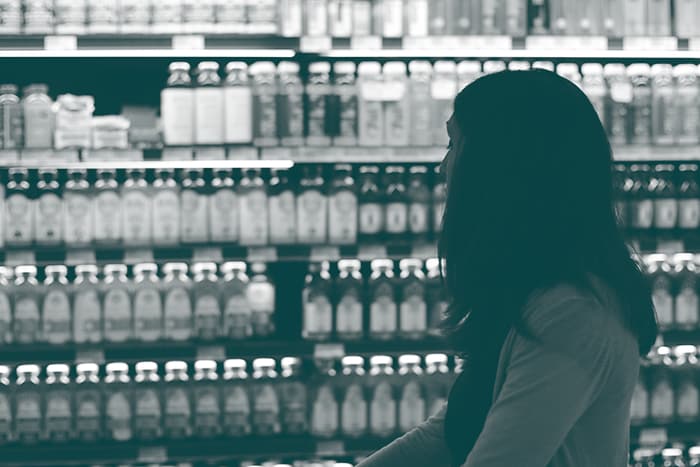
x=667 y=457
x=345 y=18
x=674 y=289
x=220 y=399
x=315 y=207
x=144 y=307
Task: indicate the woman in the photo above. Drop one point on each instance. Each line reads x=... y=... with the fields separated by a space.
x=547 y=306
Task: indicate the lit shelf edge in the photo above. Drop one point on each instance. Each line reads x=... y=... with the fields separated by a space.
x=161 y=164
x=150 y=53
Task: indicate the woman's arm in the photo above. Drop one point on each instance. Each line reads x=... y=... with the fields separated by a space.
x=422 y=446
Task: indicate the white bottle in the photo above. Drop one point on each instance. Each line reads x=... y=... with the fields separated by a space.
x=177 y=106
x=209 y=105
x=397 y=113
x=238 y=105
x=370 y=106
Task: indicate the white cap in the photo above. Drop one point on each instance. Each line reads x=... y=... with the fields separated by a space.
x=381 y=360
x=352 y=360
x=263 y=363
x=680 y=257
x=685 y=69
x=26 y=269
x=205 y=365
x=592 y=69
x=170 y=267
x=685 y=349
x=436 y=359
x=410 y=263
x=420 y=66
x=233 y=265
x=146 y=366
x=344 y=68
x=175 y=365
x=320 y=67
x=87 y=368
x=240 y=66
x=369 y=68
x=145 y=267
x=470 y=67
x=263 y=68
x=291 y=68
x=117 y=367
x=235 y=363
x=57 y=269
x=382 y=263
x=565 y=69
x=4 y=370
x=613 y=69
x=660 y=69
x=199 y=267
x=289 y=361
x=655 y=258
x=394 y=68
x=207 y=65
x=58 y=368
x=349 y=264
x=637 y=69
x=34 y=369
x=518 y=65
x=432 y=264
x=445 y=66
x=409 y=359
x=543 y=65
x=671 y=452
x=494 y=66
x=112 y=268
x=258 y=268
x=694 y=451
x=86 y=268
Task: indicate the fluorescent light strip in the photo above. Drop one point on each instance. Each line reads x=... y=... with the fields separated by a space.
x=150 y=53
x=143 y=165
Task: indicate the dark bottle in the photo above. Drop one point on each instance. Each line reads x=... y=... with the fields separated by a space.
x=641 y=205
x=688 y=197
x=663 y=190
x=621 y=186
x=419 y=204
x=371 y=209
x=396 y=213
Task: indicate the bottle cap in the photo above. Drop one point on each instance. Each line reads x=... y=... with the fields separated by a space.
x=235 y=364
x=371 y=169
x=436 y=359
x=382 y=264
x=381 y=360
x=8 y=89
x=352 y=360
x=409 y=360
x=320 y=68
x=86 y=269
x=445 y=67
x=207 y=66
x=179 y=66
x=671 y=452
x=36 y=89
x=58 y=368
x=117 y=367
x=418 y=169
x=175 y=365
x=258 y=268
x=145 y=267
x=353 y=264
x=395 y=68
x=204 y=267
x=56 y=269
x=146 y=366
x=592 y=69
x=344 y=68
x=638 y=69
x=494 y=66
x=263 y=68
x=543 y=65
x=28 y=369
x=567 y=69
x=468 y=67
x=236 y=66
x=614 y=69
x=662 y=69
x=175 y=267
x=410 y=263
x=115 y=268
x=25 y=270
x=432 y=264
x=87 y=368
x=233 y=266
x=694 y=451
x=420 y=67
x=209 y=365
x=260 y=363
x=4 y=370
x=288 y=68
x=685 y=69
x=369 y=68
x=518 y=65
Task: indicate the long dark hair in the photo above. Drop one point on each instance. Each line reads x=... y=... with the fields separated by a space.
x=529 y=205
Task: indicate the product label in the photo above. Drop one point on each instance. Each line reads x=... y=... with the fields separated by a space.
x=58 y=414
x=38 y=124
x=349 y=314
x=342 y=225
x=324 y=416
x=108 y=216
x=194 y=222
x=238 y=107
x=254 y=220
x=177 y=413
x=412 y=407
x=223 y=215
x=117 y=311
x=178 y=314
x=19 y=225
x=207 y=410
x=137 y=217
x=312 y=214
x=237 y=411
x=687 y=306
x=87 y=321
x=147 y=314
x=663 y=303
x=56 y=313
x=119 y=416
x=49 y=218
x=26 y=322
x=207 y=315
x=266 y=410
x=176 y=110
x=396 y=217
x=383 y=315
x=318 y=315
x=283 y=226
x=209 y=115
x=166 y=216
x=371 y=218
x=689 y=213
x=5 y=319
x=383 y=411
x=237 y=317
x=665 y=213
x=78 y=226
x=354 y=412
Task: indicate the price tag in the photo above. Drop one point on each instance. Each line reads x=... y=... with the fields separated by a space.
x=215 y=255
x=9 y=156
x=21 y=257
x=263 y=254
x=366 y=42
x=648 y=44
x=75 y=257
x=210 y=153
x=90 y=356
x=329 y=351
x=653 y=436
x=61 y=43
x=243 y=153
x=211 y=352
x=325 y=253
x=670 y=247
x=189 y=42
x=315 y=44
x=138 y=255
x=152 y=455
x=177 y=154
x=370 y=252
x=330 y=448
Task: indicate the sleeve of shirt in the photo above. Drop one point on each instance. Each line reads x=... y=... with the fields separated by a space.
x=548 y=385
x=424 y=445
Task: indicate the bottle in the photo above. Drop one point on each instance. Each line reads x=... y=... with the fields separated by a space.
x=672 y=457
x=27 y=398
x=318 y=112
x=118 y=402
x=223 y=208
x=443 y=92
x=266 y=407
x=417 y=13
x=78 y=213
x=686 y=305
x=261 y=296
x=354 y=408
x=362 y=18
x=177 y=409
x=290 y=104
x=194 y=220
x=177 y=106
x=639 y=409
x=48 y=215
x=436 y=297
x=515 y=18
x=383 y=313
x=419 y=203
x=324 y=404
x=207 y=402
x=570 y=71
x=235 y=398
x=107 y=208
x=56 y=307
x=346 y=91
x=492 y=17
x=688 y=197
x=662 y=405
x=147 y=409
x=177 y=304
x=11 y=118
x=382 y=409
x=38 y=117
x=694 y=454
x=641 y=108
x=465 y=17
x=438 y=18
x=622 y=183
x=641 y=204
x=19 y=209
x=87 y=309
x=687 y=394
x=148 y=310
x=619 y=102
x=6 y=327
x=663 y=189
x=207 y=309
x=396 y=214
x=208 y=105
x=658 y=18
x=316 y=17
x=662 y=104
x=412 y=403
x=58 y=408
x=659 y=269
x=166 y=209
x=282 y=209
x=340 y=18
x=238 y=105
x=420 y=95
x=397 y=107
x=116 y=299
x=370 y=207
x=437 y=382
x=312 y=208
x=413 y=319
x=87 y=402
x=264 y=103
x=316 y=303
x=593 y=84
x=237 y=312
x=26 y=297
x=370 y=118
x=349 y=316
x=6 y=422
x=253 y=219
x=293 y=397
x=136 y=198
x=686 y=103
x=342 y=207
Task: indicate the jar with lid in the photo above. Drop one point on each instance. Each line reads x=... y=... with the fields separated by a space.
x=194 y=221
x=238 y=105
x=658 y=267
x=370 y=205
x=177 y=106
x=397 y=201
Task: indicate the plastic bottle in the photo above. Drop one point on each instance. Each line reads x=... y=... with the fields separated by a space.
x=207 y=401
x=177 y=407
x=370 y=107
x=293 y=397
x=383 y=310
x=342 y=207
x=194 y=221
x=107 y=208
x=238 y=105
x=58 y=407
x=312 y=208
x=282 y=209
x=38 y=117
x=253 y=201
x=290 y=105
x=87 y=308
x=87 y=403
x=78 y=213
x=340 y=18
x=318 y=113
x=166 y=209
x=686 y=305
x=437 y=382
x=19 y=209
x=266 y=406
x=370 y=205
x=261 y=296
x=443 y=92
x=687 y=393
x=694 y=456
x=5 y=406
x=324 y=404
x=397 y=202
x=177 y=303
x=354 y=408
x=362 y=18
x=641 y=204
x=138 y=212
x=687 y=105
x=27 y=398
x=412 y=411
x=208 y=105
x=593 y=84
x=48 y=215
x=658 y=268
x=116 y=299
x=177 y=106
x=349 y=316
x=639 y=409
x=207 y=306
x=118 y=402
x=515 y=18
x=148 y=309
x=419 y=208
x=147 y=409
x=663 y=101
x=663 y=190
x=235 y=398
x=26 y=298
x=11 y=118
x=413 y=319
x=436 y=297
x=6 y=328
x=56 y=306
x=619 y=102
x=316 y=17
x=397 y=106
x=420 y=96
x=383 y=408
x=316 y=303
x=264 y=103
x=223 y=208
x=688 y=197
x=662 y=397
x=641 y=115
x=346 y=90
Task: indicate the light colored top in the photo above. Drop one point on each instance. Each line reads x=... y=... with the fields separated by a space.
x=563 y=402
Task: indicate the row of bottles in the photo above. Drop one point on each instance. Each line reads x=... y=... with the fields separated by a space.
x=666 y=457
x=220 y=399
x=315 y=207
x=406 y=305
x=674 y=289
x=143 y=307
x=345 y=18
